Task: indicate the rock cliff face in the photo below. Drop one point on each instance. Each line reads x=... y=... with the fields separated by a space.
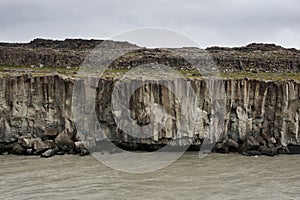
x=32 y=104
x=257 y=116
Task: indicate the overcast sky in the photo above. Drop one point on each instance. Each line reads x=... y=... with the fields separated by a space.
x=208 y=22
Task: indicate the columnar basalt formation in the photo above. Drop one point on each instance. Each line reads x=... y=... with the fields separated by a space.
x=261 y=116
x=258 y=113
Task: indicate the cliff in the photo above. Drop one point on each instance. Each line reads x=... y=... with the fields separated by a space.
x=259 y=115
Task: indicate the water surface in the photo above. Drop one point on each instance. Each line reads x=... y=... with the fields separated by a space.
x=216 y=176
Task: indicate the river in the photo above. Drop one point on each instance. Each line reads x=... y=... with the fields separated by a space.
x=217 y=176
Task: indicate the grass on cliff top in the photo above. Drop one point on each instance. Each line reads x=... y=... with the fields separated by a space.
x=44 y=68
x=37 y=71
x=272 y=76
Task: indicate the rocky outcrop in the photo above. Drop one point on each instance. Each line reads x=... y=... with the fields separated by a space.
x=257 y=58
x=72 y=52
x=51 y=53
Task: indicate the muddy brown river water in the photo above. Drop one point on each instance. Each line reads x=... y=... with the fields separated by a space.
x=216 y=176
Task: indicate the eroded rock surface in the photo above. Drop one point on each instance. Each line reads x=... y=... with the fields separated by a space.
x=261 y=116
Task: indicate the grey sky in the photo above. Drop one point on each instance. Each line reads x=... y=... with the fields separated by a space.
x=208 y=22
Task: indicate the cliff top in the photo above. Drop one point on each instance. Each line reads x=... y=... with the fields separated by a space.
x=71 y=44
x=79 y=44
x=72 y=52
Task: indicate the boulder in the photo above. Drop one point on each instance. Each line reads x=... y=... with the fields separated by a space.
x=51 y=133
x=40 y=146
x=60 y=153
x=84 y=152
x=283 y=150
x=251 y=142
x=269 y=151
x=79 y=145
x=232 y=143
x=17 y=149
x=25 y=141
x=29 y=151
x=2 y=148
x=49 y=153
x=251 y=153
x=261 y=140
x=64 y=141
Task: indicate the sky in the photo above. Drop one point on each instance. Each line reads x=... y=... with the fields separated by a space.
x=207 y=22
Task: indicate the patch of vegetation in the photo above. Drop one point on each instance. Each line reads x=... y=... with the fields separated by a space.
x=38 y=71
x=272 y=76
x=112 y=73
x=44 y=68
